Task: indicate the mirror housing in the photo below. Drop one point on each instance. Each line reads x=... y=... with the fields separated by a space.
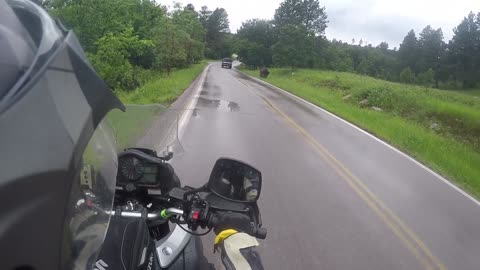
x=235 y=180
x=168 y=153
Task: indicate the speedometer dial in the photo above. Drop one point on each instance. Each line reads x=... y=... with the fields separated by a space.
x=131 y=168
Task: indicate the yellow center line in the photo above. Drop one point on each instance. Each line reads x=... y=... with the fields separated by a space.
x=392 y=221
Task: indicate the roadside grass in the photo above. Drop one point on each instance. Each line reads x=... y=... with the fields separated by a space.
x=163 y=88
x=473 y=92
x=439 y=128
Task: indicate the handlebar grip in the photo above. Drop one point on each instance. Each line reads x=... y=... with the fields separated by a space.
x=261 y=233
x=216 y=221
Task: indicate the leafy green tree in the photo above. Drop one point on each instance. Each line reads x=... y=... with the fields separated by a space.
x=254 y=41
x=111 y=60
x=407 y=75
x=363 y=66
x=292 y=48
x=170 y=48
x=250 y=53
x=426 y=78
x=217 y=30
x=187 y=21
x=338 y=57
x=306 y=13
x=93 y=19
x=297 y=23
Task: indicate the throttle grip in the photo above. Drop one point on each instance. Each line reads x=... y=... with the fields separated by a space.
x=261 y=233
x=236 y=221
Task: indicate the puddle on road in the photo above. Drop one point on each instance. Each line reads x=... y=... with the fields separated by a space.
x=219 y=105
x=207 y=93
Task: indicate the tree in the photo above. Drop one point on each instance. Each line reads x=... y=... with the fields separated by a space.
x=363 y=66
x=187 y=21
x=383 y=46
x=292 y=48
x=203 y=15
x=93 y=19
x=255 y=39
x=305 y=13
x=431 y=50
x=217 y=30
x=111 y=60
x=464 y=50
x=171 y=51
x=338 y=57
x=407 y=75
x=408 y=51
x=426 y=78
x=297 y=23
x=190 y=7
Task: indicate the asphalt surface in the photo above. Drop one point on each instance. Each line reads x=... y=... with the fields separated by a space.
x=333 y=197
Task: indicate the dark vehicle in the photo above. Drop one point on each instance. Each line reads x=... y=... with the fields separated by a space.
x=154 y=220
x=227 y=63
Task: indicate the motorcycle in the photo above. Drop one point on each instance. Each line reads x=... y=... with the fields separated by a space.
x=155 y=223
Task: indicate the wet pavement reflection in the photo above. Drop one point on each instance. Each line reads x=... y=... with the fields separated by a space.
x=218 y=104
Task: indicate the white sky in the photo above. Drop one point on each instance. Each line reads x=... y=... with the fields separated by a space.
x=371 y=20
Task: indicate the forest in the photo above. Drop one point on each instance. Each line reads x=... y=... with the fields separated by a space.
x=295 y=38
x=127 y=40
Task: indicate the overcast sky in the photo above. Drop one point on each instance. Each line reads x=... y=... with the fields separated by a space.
x=371 y=20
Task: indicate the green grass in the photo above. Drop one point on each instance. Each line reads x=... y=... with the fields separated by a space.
x=163 y=88
x=439 y=128
x=473 y=92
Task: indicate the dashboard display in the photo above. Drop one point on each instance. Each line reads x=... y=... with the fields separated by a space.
x=131 y=168
x=150 y=175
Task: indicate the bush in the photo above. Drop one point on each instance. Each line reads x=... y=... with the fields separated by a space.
x=426 y=78
x=111 y=60
x=380 y=97
x=407 y=76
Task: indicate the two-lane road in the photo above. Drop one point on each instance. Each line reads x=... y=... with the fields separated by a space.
x=333 y=197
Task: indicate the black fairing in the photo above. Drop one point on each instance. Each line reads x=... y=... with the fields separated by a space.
x=45 y=125
x=192 y=257
x=128 y=245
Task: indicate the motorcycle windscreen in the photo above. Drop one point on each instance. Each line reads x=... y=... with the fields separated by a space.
x=91 y=198
x=152 y=126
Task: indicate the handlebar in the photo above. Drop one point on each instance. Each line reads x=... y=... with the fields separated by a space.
x=196 y=212
x=150 y=216
x=211 y=221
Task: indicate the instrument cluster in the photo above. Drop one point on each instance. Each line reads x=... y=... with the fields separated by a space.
x=132 y=170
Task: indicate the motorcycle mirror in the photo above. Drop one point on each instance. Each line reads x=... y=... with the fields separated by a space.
x=168 y=153
x=235 y=180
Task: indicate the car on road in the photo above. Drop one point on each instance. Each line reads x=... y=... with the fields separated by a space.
x=227 y=63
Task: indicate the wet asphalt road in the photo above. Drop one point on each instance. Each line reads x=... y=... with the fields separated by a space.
x=333 y=197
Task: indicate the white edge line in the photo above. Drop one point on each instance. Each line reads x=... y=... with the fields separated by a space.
x=187 y=111
x=455 y=187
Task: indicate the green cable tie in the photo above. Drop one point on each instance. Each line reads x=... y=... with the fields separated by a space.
x=163 y=214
